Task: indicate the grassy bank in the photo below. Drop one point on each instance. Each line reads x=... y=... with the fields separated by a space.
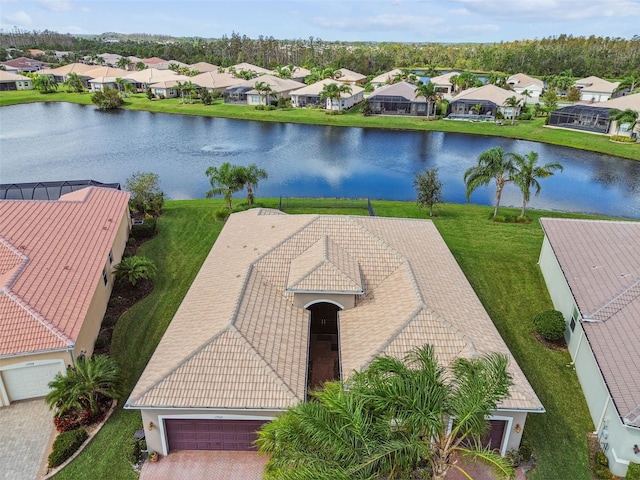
x=533 y=130
x=500 y=261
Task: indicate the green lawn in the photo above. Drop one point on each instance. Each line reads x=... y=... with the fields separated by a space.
x=500 y=261
x=533 y=130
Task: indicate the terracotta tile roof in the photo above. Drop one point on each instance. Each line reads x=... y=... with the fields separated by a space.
x=522 y=80
x=51 y=258
x=491 y=93
x=601 y=263
x=238 y=340
x=350 y=75
x=596 y=84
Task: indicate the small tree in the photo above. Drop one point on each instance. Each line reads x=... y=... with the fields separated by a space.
x=107 y=99
x=149 y=93
x=146 y=195
x=250 y=176
x=45 y=83
x=74 y=83
x=133 y=269
x=573 y=95
x=225 y=181
x=205 y=96
x=550 y=99
x=429 y=189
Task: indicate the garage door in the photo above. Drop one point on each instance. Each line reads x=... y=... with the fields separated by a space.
x=211 y=434
x=29 y=382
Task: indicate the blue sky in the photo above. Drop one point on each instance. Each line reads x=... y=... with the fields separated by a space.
x=346 y=20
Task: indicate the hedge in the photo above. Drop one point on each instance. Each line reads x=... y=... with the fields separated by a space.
x=65 y=445
x=550 y=324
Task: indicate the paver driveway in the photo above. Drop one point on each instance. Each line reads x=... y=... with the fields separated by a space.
x=206 y=465
x=26 y=428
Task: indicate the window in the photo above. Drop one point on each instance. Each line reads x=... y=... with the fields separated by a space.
x=574 y=319
x=110 y=257
x=105 y=278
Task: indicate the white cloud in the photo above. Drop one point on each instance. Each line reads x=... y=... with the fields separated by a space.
x=383 y=21
x=61 y=6
x=554 y=10
x=460 y=11
x=19 y=18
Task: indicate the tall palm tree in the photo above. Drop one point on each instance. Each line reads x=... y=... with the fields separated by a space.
x=45 y=83
x=429 y=92
x=621 y=117
x=74 y=82
x=514 y=104
x=140 y=66
x=391 y=420
x=405 y=75
x=135 y=268
x=84 y=386
x=526 y=94
x=225 y=181
x=630 y=82
x=264 y=90
x=527 y=172
x=123 y=63
x=251 y=175
x=334 y=91
x=493 y=164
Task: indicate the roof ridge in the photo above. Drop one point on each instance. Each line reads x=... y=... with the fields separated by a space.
x=25 y=260
x=54 y=330
x=270 y=370
x=610 y=307
x=354 y=220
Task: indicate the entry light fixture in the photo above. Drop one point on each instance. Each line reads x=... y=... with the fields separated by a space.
x=518 y=428
x=636 y=450
x=150 y=427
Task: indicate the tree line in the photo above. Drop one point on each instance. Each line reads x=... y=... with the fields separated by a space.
x=608 y=57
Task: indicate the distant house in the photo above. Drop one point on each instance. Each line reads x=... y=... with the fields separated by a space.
x=310 y=96
x=214 y=81
x=153 y=62
x=24 y=64
x=300 y=73
x=284 y=303
x=485 y=101
x=144 y=78
x=443 y=84
x=60 y=74
x=595 y=89
x=351 y=77
x=521 y=83
x=167 y=88
x=110 y=59
x=245 y=92
x=595 y=117
x=166 y=65
x=250 y=67
x=56 y=276
x=385 y=78
x=592 y=272
x=12 y=81
x=202 y=67
x=398 y=99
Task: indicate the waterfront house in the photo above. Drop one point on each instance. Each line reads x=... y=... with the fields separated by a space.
x=595 y=89
x=12 y=81
x=398 y=99
x=521 y=83
x=310 y=96
x=214 y=81
x=246 y=93
x=351 y=77
x=483 y=103
x=443 y=84
x=385 y=78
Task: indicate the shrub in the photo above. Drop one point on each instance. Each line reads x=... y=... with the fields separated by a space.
x=633 y=472
x=221 y=214
x=623 y=138
x=131 y=241
x=101 y=341
x=133 y=449
x=601 y=459
x=550 y=325
x=65 y=445
x=144 y=230
x=499 y=218
x=66 y=421
x=602 y=473
x=525 y=116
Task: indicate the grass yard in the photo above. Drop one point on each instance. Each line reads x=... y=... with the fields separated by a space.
x=500 y=261
x=533 y=130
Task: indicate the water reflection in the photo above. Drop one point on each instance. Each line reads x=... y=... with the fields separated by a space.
x=60 y=141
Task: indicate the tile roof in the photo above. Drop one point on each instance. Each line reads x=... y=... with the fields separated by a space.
x=204 y=67
x=444 y=79
x=79 y=68
x=277 y=84
x=386 y=77
x=596 y=84
x=238 y=340
x=11 y=77
x=350 y=75
x=317 y=87
x=622 y=103
x=215 y=80
x=51 y=258
x=491 y=93
x=400 y=89
x=522 y=80
x=601 y=263
x=254 y=68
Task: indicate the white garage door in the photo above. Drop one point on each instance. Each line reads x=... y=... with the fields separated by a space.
x=29 y=382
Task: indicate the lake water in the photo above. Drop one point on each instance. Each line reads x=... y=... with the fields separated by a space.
x=61 y=141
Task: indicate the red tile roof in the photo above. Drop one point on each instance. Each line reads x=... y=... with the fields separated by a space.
x=51 y=258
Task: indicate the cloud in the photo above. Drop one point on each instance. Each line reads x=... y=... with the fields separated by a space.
x=61 y=6
x=19 y=18
x=556 y=10
x=382 y=22
x=460 y=11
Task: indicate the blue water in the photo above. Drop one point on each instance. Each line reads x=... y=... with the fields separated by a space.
x=60 y=141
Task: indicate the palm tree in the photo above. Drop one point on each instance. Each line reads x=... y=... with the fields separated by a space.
x=264 y=90
x=334 y=91
x=74 y=82
x=120 y=83
x=390 y=420
x=405 y=75
x=225 y=181
x=140 y=66
x=189 y=87
x=630 y=82
x=621 y=117
x=527 y=173
x=133 y=269
x=514 y=104
x=251 y=175
x=526 y=94
x=85 y=386
x=428 y=91
x=493 y=164
x=123 y=63
x=45 y=83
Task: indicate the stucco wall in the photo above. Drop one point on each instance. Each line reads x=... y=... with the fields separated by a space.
x=300 y=300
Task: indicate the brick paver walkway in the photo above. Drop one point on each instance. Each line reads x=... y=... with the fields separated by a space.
x=205 y=465
x=26 y=428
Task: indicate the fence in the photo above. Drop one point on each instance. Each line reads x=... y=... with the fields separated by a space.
x=357 y=205
x=47 y=190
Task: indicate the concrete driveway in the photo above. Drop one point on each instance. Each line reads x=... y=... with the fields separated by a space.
x=206 y=465
x=26 y=428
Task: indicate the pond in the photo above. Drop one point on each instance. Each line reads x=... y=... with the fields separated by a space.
x=61 y=141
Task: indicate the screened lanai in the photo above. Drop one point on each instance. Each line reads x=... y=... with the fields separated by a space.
x=582 y=117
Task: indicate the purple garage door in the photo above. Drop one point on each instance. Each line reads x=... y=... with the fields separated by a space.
x=193 y=434
x=493 y=439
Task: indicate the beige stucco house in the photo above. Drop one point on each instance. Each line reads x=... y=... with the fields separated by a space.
x=310 y=96
x=284 y=302
x=56 y=262
x=521 y=82
x=489 y=98
x=592 y=272
x=12 y=81
x=595 y=89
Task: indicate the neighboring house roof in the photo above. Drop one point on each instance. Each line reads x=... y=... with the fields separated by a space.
x=350 y=75
x=600 y=261
x=237 y=340
x=110 y=58
x=35 y=51
x=443 y=80
x=521 y=80
x=204 y=67
x=400 y=89
x=152 y=60
x=79 y=68
x=216 y=80
x=386 y=77
x=254 y=68
x=51 y=258
x=171 y=83
x=316 y=88
x=300 y=72
x=24 y=63
x=277 y=84
x=596 y=84
x=11 y=77
x=96 y=72
x=134 y=59
x=150 y=75
x=166 y=64
x=489 y=93
x=631 y=102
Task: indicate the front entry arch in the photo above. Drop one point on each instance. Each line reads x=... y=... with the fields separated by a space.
x=324 y=344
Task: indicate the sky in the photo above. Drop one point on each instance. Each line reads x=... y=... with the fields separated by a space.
x=347 y=20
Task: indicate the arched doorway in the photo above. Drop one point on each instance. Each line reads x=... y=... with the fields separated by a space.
x=324 y=344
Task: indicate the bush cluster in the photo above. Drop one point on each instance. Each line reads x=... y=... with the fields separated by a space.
x=65 y=445
x=623 y=138
x=144 y=230
x=633 y=472
x=133 y=449
x=550 y=325
x=601 y=467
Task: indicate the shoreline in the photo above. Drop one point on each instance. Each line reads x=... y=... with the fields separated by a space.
x=531 y=130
